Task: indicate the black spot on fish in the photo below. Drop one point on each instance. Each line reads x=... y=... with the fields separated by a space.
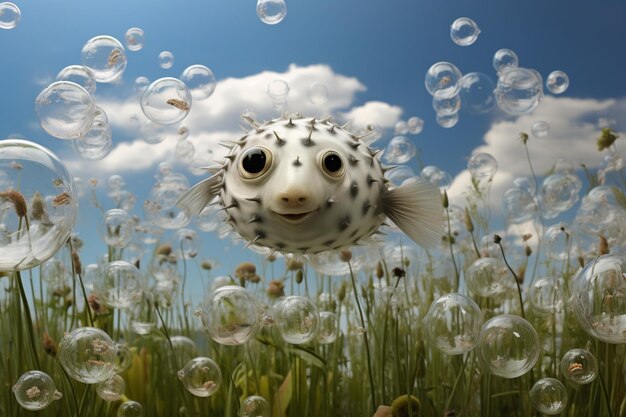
x=297 y=162
x=260 y=233
x=268 y=136
x=354 y=189
x=345 y=223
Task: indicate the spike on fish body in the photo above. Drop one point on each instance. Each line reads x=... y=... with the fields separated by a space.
x=276 y=186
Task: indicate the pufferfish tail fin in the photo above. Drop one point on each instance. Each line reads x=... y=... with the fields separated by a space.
x=416 y=208
x=200 y=195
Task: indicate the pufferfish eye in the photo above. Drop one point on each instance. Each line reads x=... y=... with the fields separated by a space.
x=255 y=162
x=332 y=164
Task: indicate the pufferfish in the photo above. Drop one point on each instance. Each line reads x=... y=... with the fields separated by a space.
x=302 y=185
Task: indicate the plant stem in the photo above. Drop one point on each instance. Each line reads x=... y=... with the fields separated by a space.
x=29 y=320
x=519 y=288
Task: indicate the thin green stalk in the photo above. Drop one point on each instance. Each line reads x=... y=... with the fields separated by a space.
x=456 y=382
x=29 y=320
x=519 y=288
x=367 y=347
x=69 y=382
x=457 y=275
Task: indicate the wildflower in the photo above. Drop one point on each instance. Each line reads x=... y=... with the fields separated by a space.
x=606 y=139
x=299 y=276
x=523 y=137
x=245 y=270
x=276 y=289
x=405 y=406
x=164 y=250
x=17 y=199
x=380 y=273
x=78 y=266
x=206 y=265
x=33 y=392
x=469 y=225
x=294 y=263
x=603 y=245
x=345 y=255
x=398 y=272
x=49 y=345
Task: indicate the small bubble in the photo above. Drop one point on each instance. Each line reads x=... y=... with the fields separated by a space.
x=130 y=409
x=106 y=58
x=65 y=110
x=317 y=94
x=271 y=12
x=200 y=81
x=255 y=406
x=297 y=319
x=549 y=396
x=278 y=90
x=519 y=91
x=557 y=82
x=35 y=390
x=447 y=121
x=10 y=15
x=540 y=129
x=134 y=39
x=88 y=355
x=157 y=98
x=119 y=284
x=201 y=376
x=80 y=75
x=452 y=324
x=399 y=150
x=464 y=31
x=166 y=59
x=579 y=366
x=443 y=80
x=505 y=59
x=477 y=93
x=415 y=125
x=447 y=106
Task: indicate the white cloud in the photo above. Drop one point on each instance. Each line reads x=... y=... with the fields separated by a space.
x=218 y=117
x=574 y=127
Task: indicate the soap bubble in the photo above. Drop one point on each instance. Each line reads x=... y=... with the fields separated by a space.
x=328 y=328
x=331 y=262
x=184 y=348
x=166 y=101
x=519 y=205
x=447 y=121
x=230 y=315
x=317 y=94
x=105 y=57
x=599 y=298
x=166 y=59
x=271 y=12
x=88 y=355
x=201 y=376
x=134 y=39
x=487 y=277
x=35 y=390
x=452 y=324
x=65 y=110
x=401 y=128
x=399 y=150
x=119 y=284
x=540 y=129
x=80 y=75
x=187 y=243
x=255 y=406
x=208 y=220
x=10 y=15
x=96 y=143
x=115 y=184
x=477 y=93
x=278 y=90
x=546 y=294
x=141 y=314
x=436 y=176
x=505 y=59
x=185 y=151
x=579 y=366
x=508 y=346
x=152 y=132
x=482 y=166
x=200 y=81
x=112 y=389
x=399 y=175
x=443 y=80
x=33 y=183
x=130 y=409
x=297 y=319
x=559 y=192
x=148 y=232
x=612 y=161
x=519 y=91
x=464 y=31
x=549 y=396
x=415 y=125
x=557 y=82
x=161 y=208
x=558 y=241
x=141 y=84
x=116 y=228
x=447 y=106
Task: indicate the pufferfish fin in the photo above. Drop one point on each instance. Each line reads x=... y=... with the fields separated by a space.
x=415 y=207
x=200 y=195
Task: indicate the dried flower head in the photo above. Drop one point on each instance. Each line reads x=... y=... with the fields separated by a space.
x=469 y=224
x=603 y=245
x=17 y=199
x=206 y=265
x=38 y=207
x=523 y=137
x=97 y=307
x=49 y=345
x=294 y=263
x=164 y=250
x=62 y=199
x=398 y=272
x=299 y=276
x=178 y=103
x=78 y=266
x=606 y=139
x=380 y=273
x=245 y=270
x=276 y=289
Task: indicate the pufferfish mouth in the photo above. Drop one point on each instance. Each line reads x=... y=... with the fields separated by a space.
x=295 y=218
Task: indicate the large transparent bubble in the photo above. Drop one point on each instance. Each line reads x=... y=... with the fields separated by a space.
x=105 y=57
x=487 y=277
x=464 y=31
x=508 y=346
x=579 y=366
x=116 y=228
x=452 y=324
x=166 y=59
x=447 y=121
x=255 y=406
x=134 y=39
x=271 y=12
x=296 y=319
x=112 y=389
x=559 y=192
x=130 y=408
x=65 y=110
x=88 y=355
x=399 y=150
x=549 y=396
x=38 y=204
x=519 y=91
x=505 y=59
x=141 y=314
x=166 y=101
x=443 y=80
x=482 y=166
x=446 y=106
x=80 y=75
x=477 y=93
x=599 y=298
x=96 y=143
x=10 y=15
x=557 y=82
x=519 y=205
x=201 y=376
x=546 y=294
x=230 y=315
x=200 y=80
x=119 y=284
x=35 y=390
x=161 y=208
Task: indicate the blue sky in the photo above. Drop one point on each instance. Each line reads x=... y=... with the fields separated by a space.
x=371 y=51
